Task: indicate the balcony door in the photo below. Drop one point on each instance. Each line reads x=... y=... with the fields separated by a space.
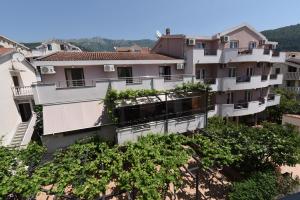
x=165 y=71
x=125 y=73
x=231 y=72
x=230 y=98
x=74 y=77
x=25 y=111
x=248 y=96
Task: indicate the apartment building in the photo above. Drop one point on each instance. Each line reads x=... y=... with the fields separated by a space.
x=16 y=100
x=291 y=72
x=237 y=63
x=52 y=46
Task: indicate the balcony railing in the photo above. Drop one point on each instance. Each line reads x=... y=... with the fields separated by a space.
x=273 y=76
x=22 y=91
x=241 y=79
x=75 y=83
x=264 y=77
x=132 y=80
x=210 y=52
x=292 y=75
x=172 y=77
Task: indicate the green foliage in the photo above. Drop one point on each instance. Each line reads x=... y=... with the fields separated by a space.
x=288 y=37
x=257 y=148
x=16 y=168
x=288 y=105
x=259 y=186
x=38 y=128
x=191 y=87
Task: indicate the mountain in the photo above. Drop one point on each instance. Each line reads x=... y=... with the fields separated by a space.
x=288 y=37
x=101 y=44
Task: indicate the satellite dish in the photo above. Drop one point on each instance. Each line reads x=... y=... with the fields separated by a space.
x=18 y=57
x=158 y=34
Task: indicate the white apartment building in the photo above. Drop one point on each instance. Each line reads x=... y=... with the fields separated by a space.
x=8 y=43
x=237 y=64
x=53 y=46
x=16 y=99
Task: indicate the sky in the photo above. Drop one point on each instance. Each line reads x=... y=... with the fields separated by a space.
x=37 y=20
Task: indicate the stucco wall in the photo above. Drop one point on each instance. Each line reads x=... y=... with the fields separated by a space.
x=10 y=118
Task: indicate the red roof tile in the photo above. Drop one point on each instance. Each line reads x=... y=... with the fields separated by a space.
x=74 y=56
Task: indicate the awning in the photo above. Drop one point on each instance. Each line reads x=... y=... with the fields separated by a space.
x=71 y=116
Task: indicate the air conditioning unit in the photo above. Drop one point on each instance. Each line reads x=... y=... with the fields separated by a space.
x=180 y=66
x=262 y=42
x=109 y=68
x=225 y=39
x=191 y=42
x=47 y=70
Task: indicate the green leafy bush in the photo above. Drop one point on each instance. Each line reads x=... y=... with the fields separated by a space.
x=259 y=186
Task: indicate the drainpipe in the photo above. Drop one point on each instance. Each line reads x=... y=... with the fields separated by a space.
x=206 y=106
x=166 y=118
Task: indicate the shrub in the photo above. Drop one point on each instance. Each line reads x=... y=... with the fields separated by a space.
x=259 y=186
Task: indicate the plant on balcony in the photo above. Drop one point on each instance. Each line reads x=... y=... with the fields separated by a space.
x=191 y=87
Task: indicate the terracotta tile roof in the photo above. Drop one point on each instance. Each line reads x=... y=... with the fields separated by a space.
x=74 y=56
x=5 y=50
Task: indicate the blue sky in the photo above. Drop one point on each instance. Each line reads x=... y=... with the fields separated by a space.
x=35 y=20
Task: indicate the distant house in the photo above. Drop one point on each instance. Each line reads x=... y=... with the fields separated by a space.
x=133 y=48
x=16 y=99
x=8 y=43
x=53 y=46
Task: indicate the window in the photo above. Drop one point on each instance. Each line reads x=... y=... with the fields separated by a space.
x=62 y=47
x=16 y=81
x=252 y=45
x=247 y=96
x=200 y=74
x=249 y=71
x=229 y=98
x=49 y=46
x=74 y=77
x=125 y=73
x=165 y=71
x=200 y=45
x=234 y=44
x=231 y=72
x=277 y=71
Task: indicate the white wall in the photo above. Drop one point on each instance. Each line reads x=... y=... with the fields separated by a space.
x=10 y=118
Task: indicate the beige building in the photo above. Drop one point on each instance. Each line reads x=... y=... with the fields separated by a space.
x=17 y=118
x=291 y=119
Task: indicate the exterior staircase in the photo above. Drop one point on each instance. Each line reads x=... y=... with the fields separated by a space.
x=19 y=135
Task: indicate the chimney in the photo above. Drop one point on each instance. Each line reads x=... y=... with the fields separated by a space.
x=168 y=31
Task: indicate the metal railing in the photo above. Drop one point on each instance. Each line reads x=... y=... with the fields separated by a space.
x=172 y=77
x=22 y=91
x=273 y=76
x=210 y=52
x=132 y=80
x=292 y=75
x=242 y=79
x=75 y=83
x=293 y=89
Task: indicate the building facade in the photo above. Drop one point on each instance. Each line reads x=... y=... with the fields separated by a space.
x=237 y=64
x=16 y=99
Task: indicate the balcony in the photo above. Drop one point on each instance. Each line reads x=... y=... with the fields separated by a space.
x=175 y=125
x=276 y=79
x=292 y=76
x=278 y=57
x=273 y=99
x=294 y=89
x=204 y=55
x=241 y=109
x=22 y=92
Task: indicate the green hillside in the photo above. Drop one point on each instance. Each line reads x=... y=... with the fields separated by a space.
x=288 y=37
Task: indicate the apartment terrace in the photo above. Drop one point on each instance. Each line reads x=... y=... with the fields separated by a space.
x=22 y=92
x=227 y=55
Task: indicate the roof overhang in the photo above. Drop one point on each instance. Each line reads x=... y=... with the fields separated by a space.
x=106 y=62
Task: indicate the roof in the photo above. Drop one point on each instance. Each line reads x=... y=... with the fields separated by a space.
x=12 y=41
x=5 y=50
x=292 y=115
x=71 y=116
x=80 y=56
x=238 y=27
